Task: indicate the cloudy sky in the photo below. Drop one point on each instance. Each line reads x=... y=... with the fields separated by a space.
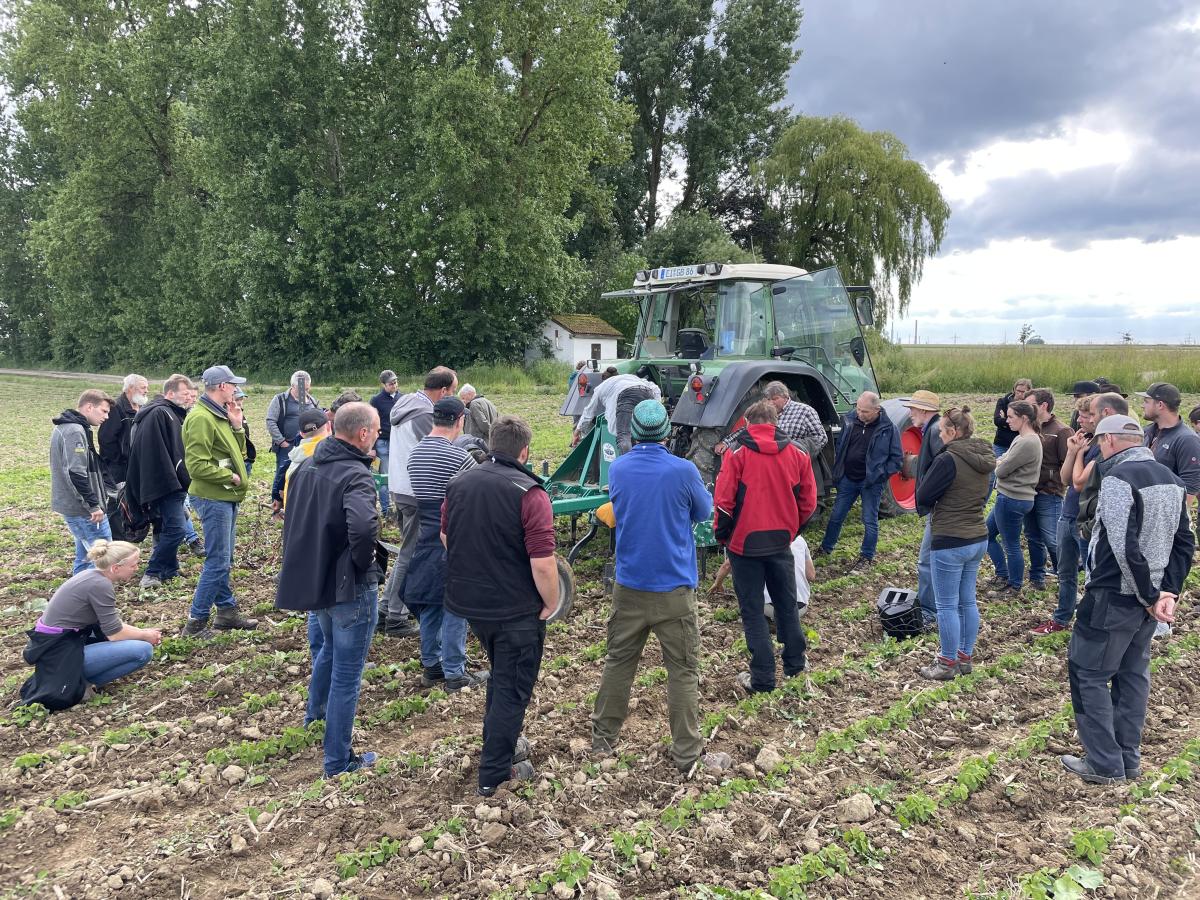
x=1066 y=137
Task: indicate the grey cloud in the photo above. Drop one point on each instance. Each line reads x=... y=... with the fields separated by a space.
x=949 y=77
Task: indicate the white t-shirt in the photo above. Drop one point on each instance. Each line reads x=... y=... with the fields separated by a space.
x=800 y=554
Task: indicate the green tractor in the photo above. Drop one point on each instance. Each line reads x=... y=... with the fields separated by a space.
x=712 y=336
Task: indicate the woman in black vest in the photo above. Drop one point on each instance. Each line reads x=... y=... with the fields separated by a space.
x=953 y=493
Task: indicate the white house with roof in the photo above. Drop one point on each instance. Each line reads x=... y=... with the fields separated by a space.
x=570 y=337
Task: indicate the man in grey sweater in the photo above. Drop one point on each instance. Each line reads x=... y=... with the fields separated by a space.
x=77 y=489
x=1140 y=554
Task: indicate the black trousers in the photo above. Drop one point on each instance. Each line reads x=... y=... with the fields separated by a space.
x=1109 y=667
x=776 y=573
x=514 y=651
x=626 y=401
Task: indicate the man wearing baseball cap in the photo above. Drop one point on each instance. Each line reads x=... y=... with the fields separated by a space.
x=923 y=410
x=214 y=449
x=1173 y=443
x=657 y=497
x=1140 y=553
x=434 y=461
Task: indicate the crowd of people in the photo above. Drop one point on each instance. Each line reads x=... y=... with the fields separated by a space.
x=1101 y=496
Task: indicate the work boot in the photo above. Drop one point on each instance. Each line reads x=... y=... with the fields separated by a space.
x=402 y=628
x=522 y=750
x=820 y=553
x=150 y=581
x=522 y=771
x=965 y=666
x=1079 y=765
x=228 y=618
x=432 y=677
x=467 y=680
x=197 y=628
x=940 y=670
x=196 y=547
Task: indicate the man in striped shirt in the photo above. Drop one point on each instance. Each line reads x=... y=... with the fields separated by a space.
x=433 y=462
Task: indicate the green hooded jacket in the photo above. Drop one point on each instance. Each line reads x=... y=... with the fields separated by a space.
x=213 y=452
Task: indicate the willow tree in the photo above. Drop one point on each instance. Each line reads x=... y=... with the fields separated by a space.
x=855 y=199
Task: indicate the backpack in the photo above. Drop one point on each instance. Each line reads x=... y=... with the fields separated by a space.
x=126 y=521
x=899 y=613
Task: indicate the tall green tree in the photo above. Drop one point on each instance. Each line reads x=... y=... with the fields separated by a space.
x=706 y=84
x=853 y=198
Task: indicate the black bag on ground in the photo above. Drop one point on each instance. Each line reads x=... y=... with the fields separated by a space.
x=899 y=613
x=126 y=521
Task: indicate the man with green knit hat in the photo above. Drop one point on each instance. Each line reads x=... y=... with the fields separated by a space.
x=656 y=497
x=214 y=450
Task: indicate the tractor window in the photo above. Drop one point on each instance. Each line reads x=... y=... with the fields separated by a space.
x=655 y=326
x=742 y=328
x=813 y=316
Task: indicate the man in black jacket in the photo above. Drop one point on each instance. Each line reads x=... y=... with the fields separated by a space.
x=1140 y=553
x=113 y=435
x=157 y=479
x=330 y=570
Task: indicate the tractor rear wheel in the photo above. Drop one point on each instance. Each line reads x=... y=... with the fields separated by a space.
x=701 y=449
x=899 y=494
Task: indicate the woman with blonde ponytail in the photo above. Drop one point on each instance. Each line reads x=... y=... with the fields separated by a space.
x=80 y=641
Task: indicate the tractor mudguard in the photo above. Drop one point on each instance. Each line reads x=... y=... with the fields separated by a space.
x=734 y=380
x=575 y=403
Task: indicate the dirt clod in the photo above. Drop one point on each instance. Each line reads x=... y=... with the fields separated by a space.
x=856 y=808
x=768 y=758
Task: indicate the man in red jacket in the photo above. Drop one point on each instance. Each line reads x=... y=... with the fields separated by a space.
x=765 y=494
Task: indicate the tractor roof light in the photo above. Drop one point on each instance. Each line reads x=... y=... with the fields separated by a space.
x=642 y=275
x=712 y=268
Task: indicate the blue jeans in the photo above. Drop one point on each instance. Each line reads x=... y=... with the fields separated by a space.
x=925 y=591
x=316 y=637
x=86 y=532
x=219 y=520
x=1041 y=534
x=381 y=453
x=443 y=639
x=107 y=661
x=1072 y=551
x=847 y=492
x=282 y=461
x=188 y=526
x=998 y=452
x=955 y=571
x=778 y=575
x=1005 y=521
x=164 y=559
x=346 y=631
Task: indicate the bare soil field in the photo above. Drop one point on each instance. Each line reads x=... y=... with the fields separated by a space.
x=195 y=777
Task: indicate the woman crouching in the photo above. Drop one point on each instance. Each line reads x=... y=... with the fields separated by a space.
x=80 y=641
x=954 y=492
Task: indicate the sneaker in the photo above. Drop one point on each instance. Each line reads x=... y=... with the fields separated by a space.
x=467 y=679
x=402 y=628
x=1162 y=630
x=196 y=547
x=150 y=581
x=228 y=618
x=1050 y=627
x=859 y=565
x=197 y=628
x=522 y=771
x=1079 y=765
x=432 y=677
x=940 y=670
x=364 y=760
